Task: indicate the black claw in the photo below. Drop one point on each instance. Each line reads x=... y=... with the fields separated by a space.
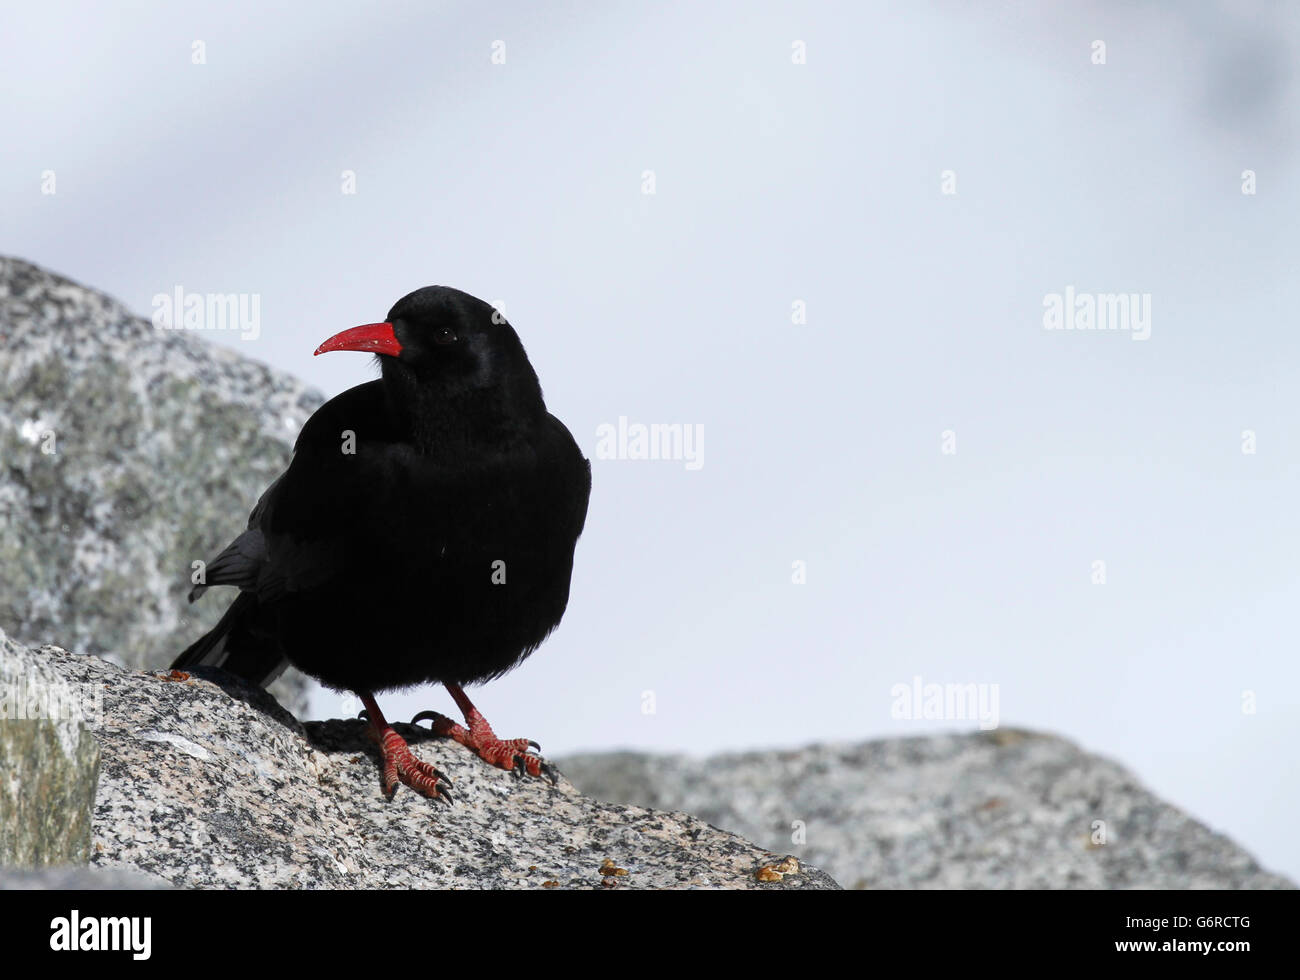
x=430 y=715
x=551 y=773
x=363 y=715
x=537 y=746
x=444 y=797
x=518 y=770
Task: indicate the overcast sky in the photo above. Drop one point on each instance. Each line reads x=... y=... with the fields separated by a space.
x=949 y=470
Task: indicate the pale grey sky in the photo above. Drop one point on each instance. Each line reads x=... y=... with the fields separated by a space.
x=775 y=183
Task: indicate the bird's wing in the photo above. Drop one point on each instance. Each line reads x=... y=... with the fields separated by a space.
x=292 y=528
x=238 y=564
x=241 y=560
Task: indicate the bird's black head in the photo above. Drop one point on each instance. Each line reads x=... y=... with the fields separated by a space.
x=444 y=352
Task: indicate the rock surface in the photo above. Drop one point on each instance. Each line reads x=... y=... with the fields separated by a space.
x=1007 y=809
x=76 y=878
x=127 y=453
x=49 y=765
x=217 y=786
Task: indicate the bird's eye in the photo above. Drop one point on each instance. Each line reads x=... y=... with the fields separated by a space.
x=445 y=335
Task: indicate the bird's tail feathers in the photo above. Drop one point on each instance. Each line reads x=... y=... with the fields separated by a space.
x=237 y=645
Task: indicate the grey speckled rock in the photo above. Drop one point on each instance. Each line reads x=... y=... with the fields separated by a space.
x=205 y=786
x=162 y=444
x=64 y=879
x=1008 y=809
x=49 y=765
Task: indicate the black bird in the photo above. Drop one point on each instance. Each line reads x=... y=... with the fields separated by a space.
x=423 y=531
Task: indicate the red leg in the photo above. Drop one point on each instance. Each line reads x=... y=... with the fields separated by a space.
x=400 y=764
x=511 y=754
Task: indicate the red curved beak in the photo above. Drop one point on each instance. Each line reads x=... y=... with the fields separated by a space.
x=371 y=338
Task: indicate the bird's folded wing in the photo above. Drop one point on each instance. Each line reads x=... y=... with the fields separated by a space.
x=305 y=530
x=239 y=564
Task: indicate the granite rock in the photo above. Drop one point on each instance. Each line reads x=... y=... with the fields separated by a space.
x=206 y=782
x=127 y=452
x=49 y=765
x=1004 y=809
x=75 y=878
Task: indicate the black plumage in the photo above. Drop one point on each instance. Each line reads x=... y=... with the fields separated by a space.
x=423 y=531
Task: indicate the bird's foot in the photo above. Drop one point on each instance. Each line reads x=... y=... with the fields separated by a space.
x=401 y=765
x=511 y=754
